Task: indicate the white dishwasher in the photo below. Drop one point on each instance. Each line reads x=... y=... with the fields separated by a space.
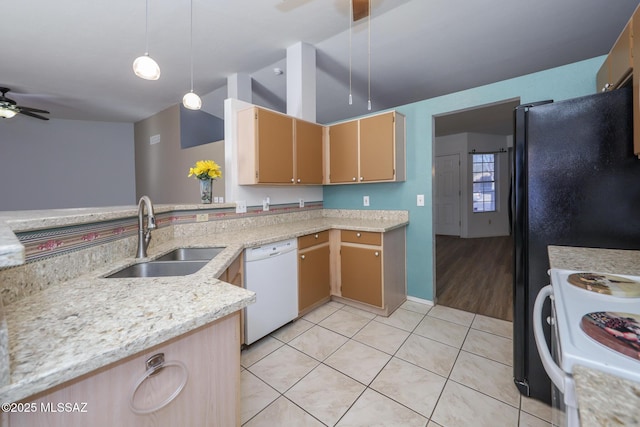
x=271 y=271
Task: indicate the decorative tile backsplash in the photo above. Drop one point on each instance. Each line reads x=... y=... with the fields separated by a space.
x=42 y=244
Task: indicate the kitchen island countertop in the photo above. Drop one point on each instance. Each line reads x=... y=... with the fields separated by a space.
x=52 y=341
x=603 y=399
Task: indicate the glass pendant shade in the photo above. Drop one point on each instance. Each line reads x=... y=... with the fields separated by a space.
x=145 y=67
x=192 y=101
x=6 y=113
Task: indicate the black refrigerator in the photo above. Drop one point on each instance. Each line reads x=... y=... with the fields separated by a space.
x=575 y=182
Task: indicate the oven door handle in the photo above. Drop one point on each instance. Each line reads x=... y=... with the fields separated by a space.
x=556 y=374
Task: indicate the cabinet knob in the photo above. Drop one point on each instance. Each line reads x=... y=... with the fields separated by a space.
x=354 y=178
x=358 y=234
x=361 y=178
x=377 y=253
x=301 y=256
x=292 y=180
x=316 y=236
x=299 y=180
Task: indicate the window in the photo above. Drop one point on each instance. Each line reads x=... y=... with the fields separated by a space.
x=484 y=182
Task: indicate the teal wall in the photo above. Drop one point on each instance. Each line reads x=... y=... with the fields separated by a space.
x=569 y=81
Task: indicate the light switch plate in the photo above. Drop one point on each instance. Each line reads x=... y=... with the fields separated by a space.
x=420 y=200
x=265 y=203
x=365 y=200
x=301 y=203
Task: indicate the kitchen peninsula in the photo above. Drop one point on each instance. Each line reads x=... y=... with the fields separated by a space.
x=66 y=322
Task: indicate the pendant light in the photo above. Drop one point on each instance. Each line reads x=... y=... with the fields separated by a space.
x=144 y=66
x=191 y=100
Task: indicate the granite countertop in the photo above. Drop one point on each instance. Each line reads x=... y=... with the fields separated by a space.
x=52 y=342
x=603 y=399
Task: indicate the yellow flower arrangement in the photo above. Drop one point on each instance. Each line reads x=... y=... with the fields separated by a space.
x=205 y=169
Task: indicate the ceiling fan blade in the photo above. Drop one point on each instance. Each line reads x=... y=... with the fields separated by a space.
x=31 y=110
x=37 y=116
x=360 y=9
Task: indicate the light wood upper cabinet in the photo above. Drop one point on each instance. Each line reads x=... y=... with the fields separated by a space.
x=265 y=147
x=369 y=149
x=274 y=148
x=635 y=49
x=618 y=65
x=308 y=152
x=343 y=152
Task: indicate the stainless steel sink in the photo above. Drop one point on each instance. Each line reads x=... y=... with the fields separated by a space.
x=159 y=269
x=191 y=254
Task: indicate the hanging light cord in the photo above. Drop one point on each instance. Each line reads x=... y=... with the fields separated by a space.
x=350 y=50
x=369 y=61
x=146 y=28
x=191 y=41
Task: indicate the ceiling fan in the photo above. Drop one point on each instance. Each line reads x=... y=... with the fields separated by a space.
x=360 y=9
x=9 y=108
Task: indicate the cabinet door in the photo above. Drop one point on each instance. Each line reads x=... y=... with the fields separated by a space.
x=361 y=274
x=619 y=59
x=343 y=152
x=274 y=147
x=308 y=153
x=377 y=148
x=313 y=276
x=636 y=85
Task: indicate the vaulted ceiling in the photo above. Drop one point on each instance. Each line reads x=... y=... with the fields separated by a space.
x=74 y=58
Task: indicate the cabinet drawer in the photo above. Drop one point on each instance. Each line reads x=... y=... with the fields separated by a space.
x=313 y=239
x=362 y=237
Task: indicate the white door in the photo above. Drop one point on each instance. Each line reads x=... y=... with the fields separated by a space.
x=447 y=197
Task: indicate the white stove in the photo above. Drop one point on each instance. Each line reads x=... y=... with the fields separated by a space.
x=580 y=340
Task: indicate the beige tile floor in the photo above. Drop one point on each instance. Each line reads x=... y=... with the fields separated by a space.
x=421 y=366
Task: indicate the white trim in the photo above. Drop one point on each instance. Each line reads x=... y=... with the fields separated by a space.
x=420 y=300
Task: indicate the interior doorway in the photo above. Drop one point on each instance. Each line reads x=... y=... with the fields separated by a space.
x=473 y=247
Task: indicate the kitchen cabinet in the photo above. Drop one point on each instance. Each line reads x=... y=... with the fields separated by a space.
x=369 y=149
x=274 y=148
x=314 y=284
x=234 y=275
x=618 y=65
x=371 y=270
x=622 y=61
x=308 y=152
x=211 y=355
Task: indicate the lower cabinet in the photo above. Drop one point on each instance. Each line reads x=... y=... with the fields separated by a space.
x=361 y=269
x=313 y=271
x=372 y=270
x=107 y=397
x=234 y=275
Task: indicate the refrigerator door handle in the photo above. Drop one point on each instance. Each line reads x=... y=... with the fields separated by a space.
x=556 y=374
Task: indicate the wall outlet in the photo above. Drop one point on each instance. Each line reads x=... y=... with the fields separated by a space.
x=420 y=200
x=241 y=206
x=365 y=200
x=220 y=199
x=154 y=139
x=202 y=217
x=301 y=203
x=265 y=203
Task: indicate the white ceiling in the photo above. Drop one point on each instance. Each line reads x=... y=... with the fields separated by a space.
x=74 y=58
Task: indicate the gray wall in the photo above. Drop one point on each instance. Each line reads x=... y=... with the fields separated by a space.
x=162 y=168
x=65 y=164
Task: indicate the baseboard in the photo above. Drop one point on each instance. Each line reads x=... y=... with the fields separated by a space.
x=420 y=300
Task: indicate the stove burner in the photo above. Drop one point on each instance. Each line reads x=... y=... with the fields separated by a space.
x=606 y=284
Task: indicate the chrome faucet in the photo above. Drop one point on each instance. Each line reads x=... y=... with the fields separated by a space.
x=144 y=236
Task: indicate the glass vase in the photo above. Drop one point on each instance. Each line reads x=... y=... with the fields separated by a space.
x=206 y=188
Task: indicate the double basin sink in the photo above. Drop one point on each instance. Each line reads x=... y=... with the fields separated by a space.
x=179 y=262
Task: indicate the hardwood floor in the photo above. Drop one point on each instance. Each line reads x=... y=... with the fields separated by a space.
x=476 y=275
